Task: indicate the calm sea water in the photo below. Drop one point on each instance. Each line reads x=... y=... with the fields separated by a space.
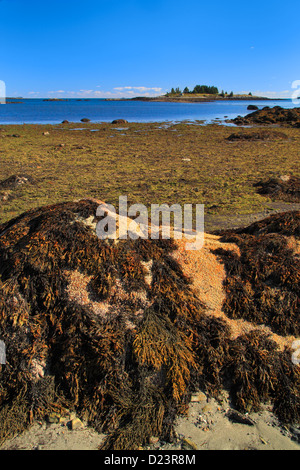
x=37 y=111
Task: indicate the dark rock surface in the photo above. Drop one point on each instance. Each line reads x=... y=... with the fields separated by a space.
x=267 y=115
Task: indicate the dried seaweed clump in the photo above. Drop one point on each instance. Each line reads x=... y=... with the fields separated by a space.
x=262 y=283
x=284 y=188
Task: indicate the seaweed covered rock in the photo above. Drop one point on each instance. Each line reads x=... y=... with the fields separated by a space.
x=103 y=328
x=14 y=181
x=11 y=183
x=123 y=332
x=263 y=280
x=267 y=115
x=284 y=188
x=262 y=287
x=119 y=121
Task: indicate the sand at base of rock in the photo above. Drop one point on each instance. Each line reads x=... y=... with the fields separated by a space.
x=44 y=436
x=206 y=427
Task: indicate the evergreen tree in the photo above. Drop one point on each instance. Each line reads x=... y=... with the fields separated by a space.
x=201 y=89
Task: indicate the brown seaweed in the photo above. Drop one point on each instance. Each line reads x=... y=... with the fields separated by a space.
x=285 y=188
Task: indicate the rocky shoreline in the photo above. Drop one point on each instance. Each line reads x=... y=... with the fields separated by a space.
x=270 y=116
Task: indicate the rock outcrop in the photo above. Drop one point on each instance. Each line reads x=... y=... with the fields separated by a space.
x=267 y=115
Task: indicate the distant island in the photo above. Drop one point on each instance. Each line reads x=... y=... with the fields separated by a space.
x=55 y=99
x=200 y=93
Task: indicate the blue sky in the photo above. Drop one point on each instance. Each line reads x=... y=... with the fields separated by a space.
x=112 y=48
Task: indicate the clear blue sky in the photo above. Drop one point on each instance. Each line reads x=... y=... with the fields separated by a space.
x=126 y=48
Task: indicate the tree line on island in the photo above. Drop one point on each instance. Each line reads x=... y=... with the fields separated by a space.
x=200 y=90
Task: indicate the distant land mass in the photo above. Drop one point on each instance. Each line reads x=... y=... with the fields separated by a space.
x=198 y=94
x=202 y=97
x=195 y=98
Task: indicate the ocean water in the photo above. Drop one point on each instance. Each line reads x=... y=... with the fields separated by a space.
x=37 y=111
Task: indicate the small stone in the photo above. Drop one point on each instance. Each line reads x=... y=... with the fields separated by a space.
x=76 y=424
x=4 y=197
x=198 y=397
x=207 y=408
x=285 y=178
x=53 y=418
x=63 y=420
x=187 y=444
x=153 y=440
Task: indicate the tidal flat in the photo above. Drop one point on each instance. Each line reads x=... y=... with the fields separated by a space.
x=150 y=163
